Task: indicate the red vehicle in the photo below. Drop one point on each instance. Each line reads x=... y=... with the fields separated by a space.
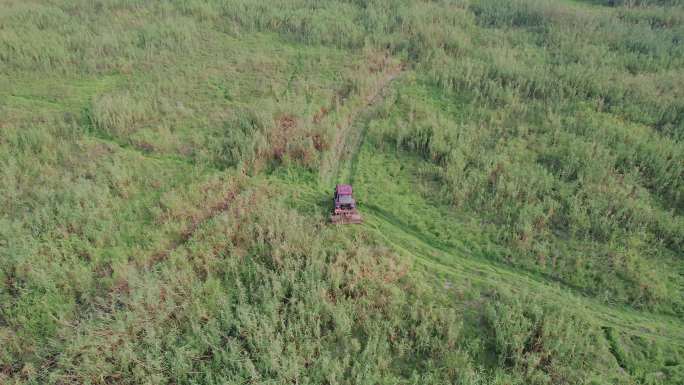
x=344 y=206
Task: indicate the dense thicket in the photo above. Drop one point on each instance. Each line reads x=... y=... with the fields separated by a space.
x=160 y=205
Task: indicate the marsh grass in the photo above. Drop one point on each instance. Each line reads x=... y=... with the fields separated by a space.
x=164 y=172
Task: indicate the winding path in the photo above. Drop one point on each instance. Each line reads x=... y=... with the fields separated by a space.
x=435 y=256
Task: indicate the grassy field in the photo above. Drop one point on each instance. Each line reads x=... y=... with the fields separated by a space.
x=167 y=168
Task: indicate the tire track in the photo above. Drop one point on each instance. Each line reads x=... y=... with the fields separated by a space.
x=349 y=143
x=187 y=234
x=430 y=256
x=347 y=140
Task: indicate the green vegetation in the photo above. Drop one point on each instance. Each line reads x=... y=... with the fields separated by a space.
x=167 y=168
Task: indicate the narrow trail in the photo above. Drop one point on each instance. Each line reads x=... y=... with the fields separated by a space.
x=348 y=140
x=213 y=211
x=459 y=264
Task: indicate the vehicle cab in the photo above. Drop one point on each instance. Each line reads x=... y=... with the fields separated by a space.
x=343 y=197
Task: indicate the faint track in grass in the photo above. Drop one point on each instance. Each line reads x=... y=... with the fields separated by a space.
x=431 y=254
x=189 y=231
x=347 y=140
x=460 y=265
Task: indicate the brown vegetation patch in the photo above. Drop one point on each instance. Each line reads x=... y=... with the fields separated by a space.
x=320 y=115
x=145 y=146
x=285 y=130
x=378 y=62
x=98 y=150
x=319 y=143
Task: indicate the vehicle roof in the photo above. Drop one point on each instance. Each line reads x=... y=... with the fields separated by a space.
x=344 y=189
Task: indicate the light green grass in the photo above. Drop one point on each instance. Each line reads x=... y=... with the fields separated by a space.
x=167 y=169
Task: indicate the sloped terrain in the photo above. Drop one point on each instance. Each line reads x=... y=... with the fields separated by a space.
x=167 y=170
